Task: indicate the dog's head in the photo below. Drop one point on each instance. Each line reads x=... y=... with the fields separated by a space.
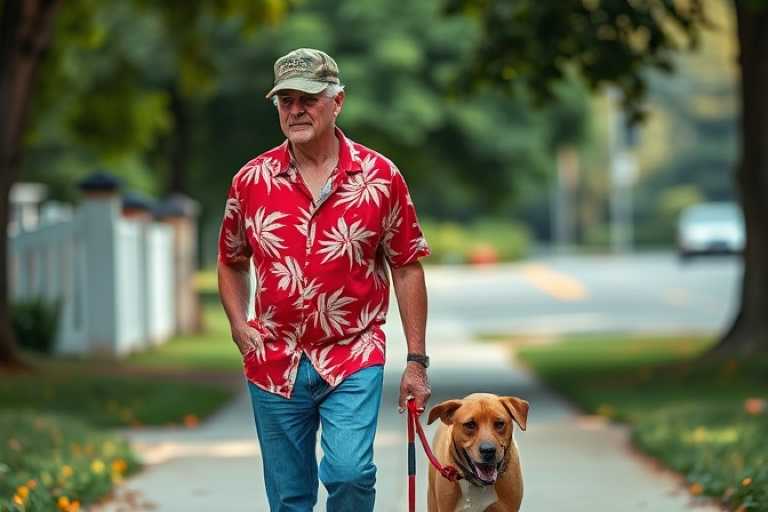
x=482 y=430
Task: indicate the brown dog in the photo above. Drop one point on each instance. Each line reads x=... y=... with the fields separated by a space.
x=476 y=438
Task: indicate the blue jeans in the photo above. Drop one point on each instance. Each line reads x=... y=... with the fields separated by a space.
x=287 y=430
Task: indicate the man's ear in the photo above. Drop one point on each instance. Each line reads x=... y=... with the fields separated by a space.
x=444 y=411
x=517 y=408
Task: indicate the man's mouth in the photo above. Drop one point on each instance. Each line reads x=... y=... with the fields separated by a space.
x=487 y=473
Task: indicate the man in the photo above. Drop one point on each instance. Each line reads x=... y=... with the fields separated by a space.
x=320 y=217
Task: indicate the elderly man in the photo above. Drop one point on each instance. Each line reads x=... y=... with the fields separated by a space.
x=320 y=218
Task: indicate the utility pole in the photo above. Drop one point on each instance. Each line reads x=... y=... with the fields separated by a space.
x=623 y=167
x=563 y=207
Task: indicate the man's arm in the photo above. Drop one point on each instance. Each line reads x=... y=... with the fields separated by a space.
x=234 y=288
x=411 y=293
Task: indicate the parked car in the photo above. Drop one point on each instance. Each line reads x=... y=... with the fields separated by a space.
x=710 y=228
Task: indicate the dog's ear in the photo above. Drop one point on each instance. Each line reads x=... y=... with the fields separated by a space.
x=517 y=408
x=444 y=411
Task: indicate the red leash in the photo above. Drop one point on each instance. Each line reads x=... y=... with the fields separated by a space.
x=448 y=472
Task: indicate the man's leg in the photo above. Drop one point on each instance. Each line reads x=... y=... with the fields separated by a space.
x=348 y=416
x=287 y=435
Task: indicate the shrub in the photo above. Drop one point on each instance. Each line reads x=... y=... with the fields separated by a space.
x=451 y=242
x=57 y=463
x=35 y=323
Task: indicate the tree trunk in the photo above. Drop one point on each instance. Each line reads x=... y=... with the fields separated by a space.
x=749 y=331
x=25 y=34
x=179 y=141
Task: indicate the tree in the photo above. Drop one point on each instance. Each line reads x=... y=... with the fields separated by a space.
x=25 y=35
x=119 y=112
x=537 y=43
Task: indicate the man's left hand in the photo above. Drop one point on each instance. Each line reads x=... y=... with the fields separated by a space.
x=414 y=384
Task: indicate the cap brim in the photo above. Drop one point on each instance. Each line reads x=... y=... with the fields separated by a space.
x=299 y=84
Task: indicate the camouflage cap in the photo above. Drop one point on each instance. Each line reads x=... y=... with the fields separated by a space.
x=306 y=69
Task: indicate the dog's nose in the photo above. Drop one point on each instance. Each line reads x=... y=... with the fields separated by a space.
x=487 y=451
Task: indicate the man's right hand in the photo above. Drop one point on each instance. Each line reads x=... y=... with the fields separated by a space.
x=247 y=339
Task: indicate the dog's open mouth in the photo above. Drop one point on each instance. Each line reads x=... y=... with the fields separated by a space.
x=487 y=473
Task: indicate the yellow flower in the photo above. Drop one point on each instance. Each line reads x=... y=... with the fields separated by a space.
x=23 y=491
x=18 y=500
x=74 y=506
x=696 y=489
x=63 y=503
x=32 y=484
x=746 y=482
x=66 y=471
x=97 y=466
x=119 y=466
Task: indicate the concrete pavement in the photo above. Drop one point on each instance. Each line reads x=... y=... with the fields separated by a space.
x=570 y=462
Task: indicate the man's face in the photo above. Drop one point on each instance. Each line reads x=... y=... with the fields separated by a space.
x=307 y=117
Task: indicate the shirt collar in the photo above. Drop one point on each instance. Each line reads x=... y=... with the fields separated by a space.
x=349 y=160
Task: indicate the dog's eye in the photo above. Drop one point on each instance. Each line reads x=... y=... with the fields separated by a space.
x=499 y=425
x=470 y=425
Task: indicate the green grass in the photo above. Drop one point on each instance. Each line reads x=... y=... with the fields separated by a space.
x=181 y=381
x=688 y=411
x=212 y=350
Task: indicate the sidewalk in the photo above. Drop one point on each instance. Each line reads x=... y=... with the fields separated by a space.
x=571 y=463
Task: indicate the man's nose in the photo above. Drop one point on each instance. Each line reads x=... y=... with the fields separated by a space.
x=487 y=451
x=297 y=109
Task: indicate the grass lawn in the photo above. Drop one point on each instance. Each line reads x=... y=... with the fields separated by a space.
x=707 y=419
x=181 y=381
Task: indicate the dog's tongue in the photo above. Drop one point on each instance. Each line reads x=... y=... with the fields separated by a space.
x=487 y=472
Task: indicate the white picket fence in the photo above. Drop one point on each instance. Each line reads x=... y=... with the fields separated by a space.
x=114 y=277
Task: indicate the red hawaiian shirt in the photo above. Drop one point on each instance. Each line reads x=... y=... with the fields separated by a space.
x=321 y=281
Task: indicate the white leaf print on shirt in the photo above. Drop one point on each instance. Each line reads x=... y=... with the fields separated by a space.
x=363 y=187
x=263 y=228
x=330 y=313
x=308 y=292
x=305 y=220
x=261 y=171
x=390 y=227
x=290 y=275
x=345 y=240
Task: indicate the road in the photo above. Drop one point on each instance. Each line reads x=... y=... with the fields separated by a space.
x=571 y=462
x=574 y=294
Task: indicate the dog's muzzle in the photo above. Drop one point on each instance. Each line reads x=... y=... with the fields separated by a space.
x=480 y=474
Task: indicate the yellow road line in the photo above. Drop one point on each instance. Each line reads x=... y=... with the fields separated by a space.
x=558 y=285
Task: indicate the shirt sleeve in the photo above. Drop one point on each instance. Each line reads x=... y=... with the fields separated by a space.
x=233 y=242
x=403 y=241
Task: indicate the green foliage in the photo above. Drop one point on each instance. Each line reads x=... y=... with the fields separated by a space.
x=720 y=449
x=104 y=95
x=123 y=81
x=35 y=322
x=706 y=418
x=52 y=462
x=540 y=43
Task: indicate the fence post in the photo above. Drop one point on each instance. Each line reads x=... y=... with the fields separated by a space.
x=181 y=212
x=100 y=211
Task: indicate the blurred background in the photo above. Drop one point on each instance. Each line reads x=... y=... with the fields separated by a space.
x=574 y=167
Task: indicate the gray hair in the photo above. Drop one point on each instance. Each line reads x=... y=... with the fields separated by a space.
x=331 y=91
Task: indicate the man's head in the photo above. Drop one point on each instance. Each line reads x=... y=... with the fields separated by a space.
x=308 y=94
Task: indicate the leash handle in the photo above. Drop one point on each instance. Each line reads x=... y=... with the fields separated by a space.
x=448 y=471
x=411 y=461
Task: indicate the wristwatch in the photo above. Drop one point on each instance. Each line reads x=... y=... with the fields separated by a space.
x=422 y=359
